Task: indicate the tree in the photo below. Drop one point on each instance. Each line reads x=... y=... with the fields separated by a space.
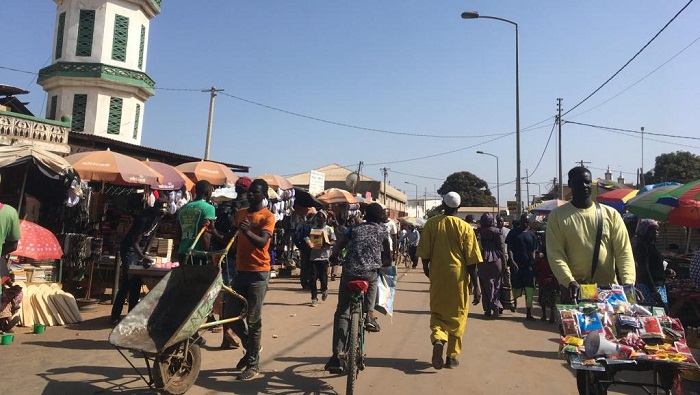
x=473 y=190
x=680 y=166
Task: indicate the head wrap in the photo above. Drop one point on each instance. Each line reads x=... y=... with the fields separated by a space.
x=244 y=182
x=487 y=220
x=644 y=225
x=452 y=200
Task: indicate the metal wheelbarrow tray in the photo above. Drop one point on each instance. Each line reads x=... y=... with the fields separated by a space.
x=164 y=325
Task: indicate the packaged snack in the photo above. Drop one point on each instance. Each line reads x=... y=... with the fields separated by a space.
x=570 y=327
x=589 y=322
x=658 y=311
x=588 y=292
x=630 y=293
x=651 y=328
x=628 y=322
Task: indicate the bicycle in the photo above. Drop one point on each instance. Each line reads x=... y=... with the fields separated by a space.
x=404 y=256
x=353 y=354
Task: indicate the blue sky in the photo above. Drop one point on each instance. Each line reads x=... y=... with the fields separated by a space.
x=407 y=67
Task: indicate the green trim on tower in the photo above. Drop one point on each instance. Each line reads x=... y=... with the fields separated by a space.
x=98 y=70
x=59 y=35
x=79 y=109
x=136 y=120
x=142 y=45
x=52 y=109
x=86 y=28
x=121 y=38
x=114 y=121
x=156 y=3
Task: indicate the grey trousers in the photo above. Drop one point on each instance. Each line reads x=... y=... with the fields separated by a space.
x=341 y=320
x=252 y=286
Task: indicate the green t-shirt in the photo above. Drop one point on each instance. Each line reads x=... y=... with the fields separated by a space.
x=9 y=224
x=191 y=217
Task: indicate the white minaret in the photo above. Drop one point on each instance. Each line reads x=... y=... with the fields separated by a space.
x=98 y=70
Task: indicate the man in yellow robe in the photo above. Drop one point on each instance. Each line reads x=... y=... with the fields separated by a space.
x=571 y=235
x=449 y=251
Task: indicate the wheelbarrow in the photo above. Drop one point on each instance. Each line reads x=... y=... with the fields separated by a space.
x=164 y=327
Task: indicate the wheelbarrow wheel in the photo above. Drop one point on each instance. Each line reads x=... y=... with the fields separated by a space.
x=175 y=372
x=591 y=380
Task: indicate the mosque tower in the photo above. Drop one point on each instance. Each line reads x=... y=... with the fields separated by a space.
x=98 y=67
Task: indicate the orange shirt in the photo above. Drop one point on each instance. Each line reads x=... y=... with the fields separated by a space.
x=248 y=257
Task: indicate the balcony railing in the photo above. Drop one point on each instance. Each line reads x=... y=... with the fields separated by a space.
x=45 y=133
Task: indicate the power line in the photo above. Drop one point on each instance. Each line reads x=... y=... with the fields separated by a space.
x=18 y=70
x=634 y=131
x=417 y=176
x=551 y=132
x=633 y=57
x=638 y=136
x=346 y=125
x=640 y=80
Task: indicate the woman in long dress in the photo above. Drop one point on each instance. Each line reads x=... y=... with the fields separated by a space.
x=490 y=270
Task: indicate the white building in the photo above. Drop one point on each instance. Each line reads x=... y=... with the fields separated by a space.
x=98 y=70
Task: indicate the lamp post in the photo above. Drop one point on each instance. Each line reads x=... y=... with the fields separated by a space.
x=498 y=181
x=518 y=191
x=410 y=183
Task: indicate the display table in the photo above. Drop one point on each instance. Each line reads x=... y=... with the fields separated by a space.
x=607 y=334
x=149 y=277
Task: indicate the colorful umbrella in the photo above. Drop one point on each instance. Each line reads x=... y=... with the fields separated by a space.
x=645 y=205
x=112 y=167
x=617 y=198
x=547 y=206
x=685 y=204
x=413 y=221
x=215 y=173
x=37 y=243
x=173 y=179
x=276 y=182
x=336 y=196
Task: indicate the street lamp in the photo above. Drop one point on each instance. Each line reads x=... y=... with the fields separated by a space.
x=498 y=181
x=410 y=183
x=475 y=15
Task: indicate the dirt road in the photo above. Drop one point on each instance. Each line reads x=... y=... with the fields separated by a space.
x=509 y=355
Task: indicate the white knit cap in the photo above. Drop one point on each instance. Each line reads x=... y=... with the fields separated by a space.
x=452 y=200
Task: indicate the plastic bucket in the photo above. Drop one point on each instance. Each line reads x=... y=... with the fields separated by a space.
x=39 y=328
x=7 y=339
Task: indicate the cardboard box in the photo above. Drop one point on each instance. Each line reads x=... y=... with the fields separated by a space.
x=319 y=238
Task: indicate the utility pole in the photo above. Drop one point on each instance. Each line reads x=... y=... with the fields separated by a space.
x=425 y=197
x=641 y=169
x=527 y=186
x=560 y=190
x=385 y=172
x=212 y=91
x=555 y=187
x=359 y=177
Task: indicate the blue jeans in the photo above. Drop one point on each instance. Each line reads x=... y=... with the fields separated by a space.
x=252 y=286
x=130 y=286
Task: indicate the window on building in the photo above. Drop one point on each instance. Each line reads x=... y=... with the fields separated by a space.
x=121 y=36
x=136 y=120
x=79 y=107
x=86 y=27
x=52 y=108
x=59 y=35
x=142 y=45
x=114 y=122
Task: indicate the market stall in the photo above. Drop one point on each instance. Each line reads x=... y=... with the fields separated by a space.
x=608 y=333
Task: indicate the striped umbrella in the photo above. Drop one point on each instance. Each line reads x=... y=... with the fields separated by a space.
x=646 y=205
x=617 y=198
x=685 y=204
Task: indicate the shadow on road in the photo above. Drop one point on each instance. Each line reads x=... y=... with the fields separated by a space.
x=113 y=380
x=305 y=378
x=74 y=344
x=95 y=324
x=416 y=312
x=536 y=353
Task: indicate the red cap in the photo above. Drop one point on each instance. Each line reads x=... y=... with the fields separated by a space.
x=244 y=182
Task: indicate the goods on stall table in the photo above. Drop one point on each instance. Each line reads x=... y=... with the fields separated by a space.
x=606 y=330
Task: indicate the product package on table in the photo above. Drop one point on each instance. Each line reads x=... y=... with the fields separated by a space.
x=609 y=324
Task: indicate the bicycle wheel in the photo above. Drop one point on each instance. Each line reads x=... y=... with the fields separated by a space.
x=353 y=355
